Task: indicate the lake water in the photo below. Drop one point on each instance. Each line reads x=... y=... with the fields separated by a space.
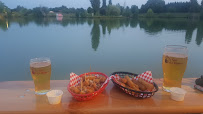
x=108 y=45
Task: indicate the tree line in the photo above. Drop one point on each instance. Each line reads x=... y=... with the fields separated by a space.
x=107 y=8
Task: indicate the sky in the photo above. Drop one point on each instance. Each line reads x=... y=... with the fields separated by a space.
x=73 y=3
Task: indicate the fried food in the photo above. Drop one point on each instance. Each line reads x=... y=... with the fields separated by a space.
x=90 y=77
x=82 y=92
x=137 y=85
x=149 y=86
x=75 y=90
x=123 y=80
x=89 y=89
x=86 y=82
x=96 y=80
x=131 y=84
x=102 y=79
x=122 y=84
x=141 y=87
x=88 y=85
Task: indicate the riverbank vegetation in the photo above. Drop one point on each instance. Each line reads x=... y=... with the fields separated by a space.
x=102 y=9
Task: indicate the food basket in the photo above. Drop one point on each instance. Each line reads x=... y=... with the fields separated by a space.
x=85 y=97
x=138 y=94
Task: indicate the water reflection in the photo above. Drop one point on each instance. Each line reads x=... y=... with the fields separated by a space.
x=95 y=33
x=150 y=26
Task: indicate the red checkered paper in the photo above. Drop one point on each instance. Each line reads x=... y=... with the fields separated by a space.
x=146 y=76
x=74 y=79
x=115 y=77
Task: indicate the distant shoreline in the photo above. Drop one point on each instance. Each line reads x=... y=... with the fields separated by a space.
x=144 y=15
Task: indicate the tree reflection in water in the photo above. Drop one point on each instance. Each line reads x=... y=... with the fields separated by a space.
x=150 y=26
x=95 y=33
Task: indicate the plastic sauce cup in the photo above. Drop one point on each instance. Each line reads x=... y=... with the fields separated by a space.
x=177 y=94
x=54 y=96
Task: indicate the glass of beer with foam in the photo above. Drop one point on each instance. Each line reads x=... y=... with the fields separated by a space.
x=174 y=63
x=40 y=69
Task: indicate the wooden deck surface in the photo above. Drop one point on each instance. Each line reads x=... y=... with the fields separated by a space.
x=19 y=97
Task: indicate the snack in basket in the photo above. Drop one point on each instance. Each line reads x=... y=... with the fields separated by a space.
x=140 y=86
x=137 y=85
x=88 y=84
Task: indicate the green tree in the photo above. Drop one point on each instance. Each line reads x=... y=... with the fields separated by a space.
x=21 y=11
x=95 y=5
x=134 y=10
x=194 y=6
x=201 y=11
x=113 y=10
x=156 y=5
x=104 y=3
x=40 y=11
x=202 y=3
x=150 y=13
x=110 y=2
x=2 y=6
x=4 y=9
x=90 y=10
x=103 y=8
x=127 y=12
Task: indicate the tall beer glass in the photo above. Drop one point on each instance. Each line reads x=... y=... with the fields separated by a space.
x=40 y=69
x=174 y=63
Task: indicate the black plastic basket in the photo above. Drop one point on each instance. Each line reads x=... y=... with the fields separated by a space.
x=138 y=94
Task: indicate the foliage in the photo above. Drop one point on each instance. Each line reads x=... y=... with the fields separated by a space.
x=90 y=10
x=4 y=9
x=134 y=10
x=95 y=5
x=110 y=2
x=150 y=13
x=40 y=11
x=178 y=7
x=194 y=6
x=103 y=8
x=20 y=11
x=113 y=10
x=104 y=3
x=202 y=3
x=156 y=5
x=127 y=12
x=159 y=8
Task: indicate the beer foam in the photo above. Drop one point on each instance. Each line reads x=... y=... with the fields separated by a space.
x=40 y=64
x=176 y=55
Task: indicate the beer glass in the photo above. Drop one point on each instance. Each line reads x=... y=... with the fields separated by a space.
x=174 y=63
x=40 y=69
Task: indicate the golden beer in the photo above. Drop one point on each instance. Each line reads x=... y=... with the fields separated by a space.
x=41 y=73
x=174 y=65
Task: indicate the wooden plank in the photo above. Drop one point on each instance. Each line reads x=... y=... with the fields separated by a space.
x=19 y=97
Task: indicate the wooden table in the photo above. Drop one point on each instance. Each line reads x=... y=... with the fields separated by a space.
x=19 y=97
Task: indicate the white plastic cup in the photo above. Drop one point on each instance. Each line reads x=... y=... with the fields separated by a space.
x=177 y=94
x=54 y=96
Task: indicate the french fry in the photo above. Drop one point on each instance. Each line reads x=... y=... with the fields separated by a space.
x=96 y=80
x=149 y=86
x=91 y=77
x=86 y=83
x=75 y=90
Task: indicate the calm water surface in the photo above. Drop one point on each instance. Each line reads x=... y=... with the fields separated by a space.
x=107 y=45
